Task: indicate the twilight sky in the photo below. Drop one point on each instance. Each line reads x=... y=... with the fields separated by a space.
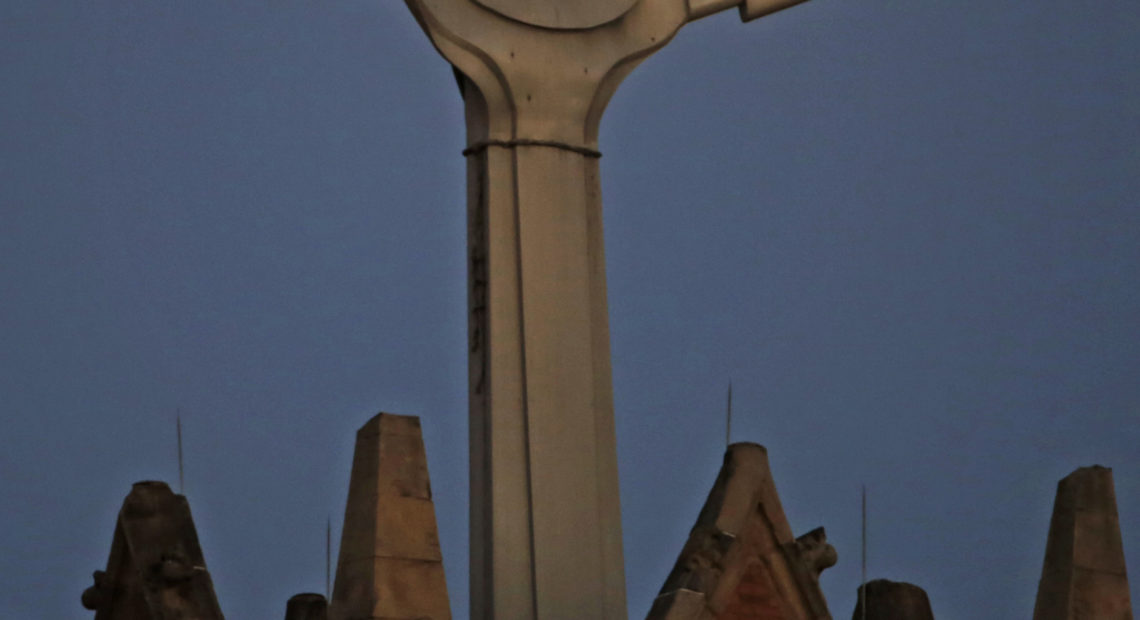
x=907 y=231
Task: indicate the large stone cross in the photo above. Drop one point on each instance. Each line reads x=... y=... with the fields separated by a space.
x=536 y=76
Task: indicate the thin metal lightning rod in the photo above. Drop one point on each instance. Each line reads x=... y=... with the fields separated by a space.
x=728 y=420
x=178 y=427
x=863 y=585
x=328 y=558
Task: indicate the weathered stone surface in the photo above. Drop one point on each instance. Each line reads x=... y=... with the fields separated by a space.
x=155 y=570
x=741 y=561
x=390 y=565
x=306 y=606
x=1084 y=575
x=892 y=600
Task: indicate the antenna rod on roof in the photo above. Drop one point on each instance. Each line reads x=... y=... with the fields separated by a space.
x=863 y=584
x=178 y=428
x=728 y=421
x=328 y=558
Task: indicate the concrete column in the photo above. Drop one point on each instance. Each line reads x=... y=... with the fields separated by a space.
x=389 y=566
x=536 y=77
x=1084 y=577
x=546 y=521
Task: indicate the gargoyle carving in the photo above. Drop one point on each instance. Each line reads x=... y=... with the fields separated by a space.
x=815 y=553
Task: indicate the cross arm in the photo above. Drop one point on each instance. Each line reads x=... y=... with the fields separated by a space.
x=749 y=9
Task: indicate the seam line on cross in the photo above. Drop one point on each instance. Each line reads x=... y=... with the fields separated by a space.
x=482 y=145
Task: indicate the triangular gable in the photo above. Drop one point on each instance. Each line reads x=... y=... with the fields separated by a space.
x=741 y=560
x=155 y=570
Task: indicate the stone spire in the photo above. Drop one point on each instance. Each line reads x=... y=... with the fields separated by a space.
x=1084 y=576
x=741 y=560
x=306 y=606
x=155 y=570
x=390 y=565
x=892 y=600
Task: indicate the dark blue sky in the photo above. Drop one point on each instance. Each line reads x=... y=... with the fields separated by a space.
x=908 y=232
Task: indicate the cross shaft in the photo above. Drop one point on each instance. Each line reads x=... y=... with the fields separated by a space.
x=536 y=76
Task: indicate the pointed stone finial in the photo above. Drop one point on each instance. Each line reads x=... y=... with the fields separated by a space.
x=390 y=564
x=741 y=559
x=1084 y=575
x=892 y=600
x=306 y=606
x=155 y=569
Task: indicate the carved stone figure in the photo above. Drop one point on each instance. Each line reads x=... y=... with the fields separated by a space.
x=814 y=552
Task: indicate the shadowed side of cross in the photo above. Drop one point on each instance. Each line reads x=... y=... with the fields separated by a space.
x=536 y=76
